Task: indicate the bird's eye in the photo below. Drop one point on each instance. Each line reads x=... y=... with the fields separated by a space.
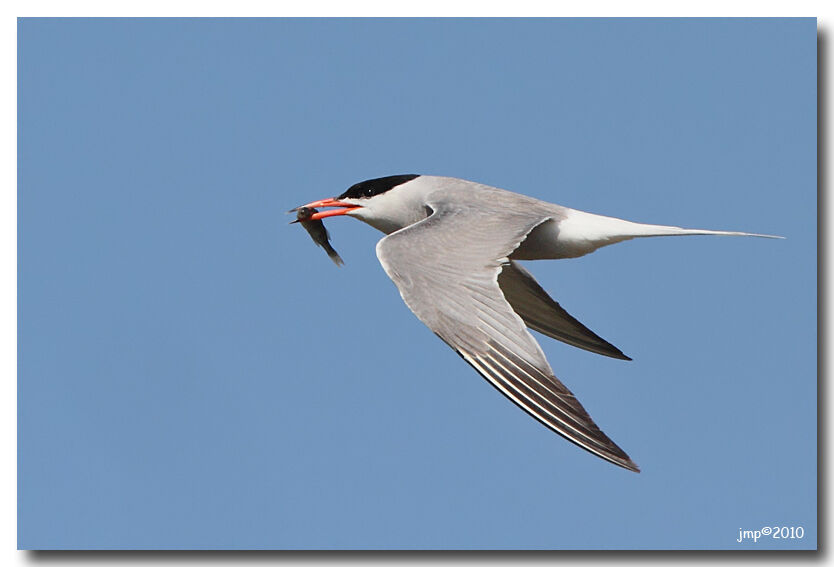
x=369 y=192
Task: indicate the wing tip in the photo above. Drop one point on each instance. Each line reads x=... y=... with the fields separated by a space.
x=614 y=455
x=630 y=465
x=606 y=349
x=598 y=443
x=619 y=355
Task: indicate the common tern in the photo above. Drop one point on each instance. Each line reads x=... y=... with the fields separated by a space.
x=452 y=250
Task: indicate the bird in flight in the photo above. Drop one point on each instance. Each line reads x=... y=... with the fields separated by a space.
x=453 y=249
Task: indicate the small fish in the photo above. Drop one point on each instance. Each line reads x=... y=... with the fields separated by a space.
x=317 y=232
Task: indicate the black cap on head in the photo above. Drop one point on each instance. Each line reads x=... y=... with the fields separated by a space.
x=371 y=187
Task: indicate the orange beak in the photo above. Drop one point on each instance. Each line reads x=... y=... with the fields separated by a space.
x=328 y=203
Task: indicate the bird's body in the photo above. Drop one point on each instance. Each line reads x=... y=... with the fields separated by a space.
x=558 y=232
x=452 y=250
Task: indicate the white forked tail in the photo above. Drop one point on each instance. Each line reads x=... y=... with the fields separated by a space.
x=580 y=233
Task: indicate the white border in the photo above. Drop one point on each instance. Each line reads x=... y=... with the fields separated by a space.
x=8 y=226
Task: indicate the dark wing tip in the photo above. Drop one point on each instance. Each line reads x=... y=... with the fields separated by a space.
x=607 y=349
x=541 y=313
x=545 y=398
x=619 y=457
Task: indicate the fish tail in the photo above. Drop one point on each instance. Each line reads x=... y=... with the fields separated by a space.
x=333 y=254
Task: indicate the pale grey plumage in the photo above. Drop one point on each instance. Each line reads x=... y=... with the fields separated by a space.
x=451 y=249
x=458 y=296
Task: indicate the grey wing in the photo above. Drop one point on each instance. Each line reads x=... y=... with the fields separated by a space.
x=446 y=268
x=541 y=313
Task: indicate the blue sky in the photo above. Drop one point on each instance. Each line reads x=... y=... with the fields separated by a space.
x=195 y=373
